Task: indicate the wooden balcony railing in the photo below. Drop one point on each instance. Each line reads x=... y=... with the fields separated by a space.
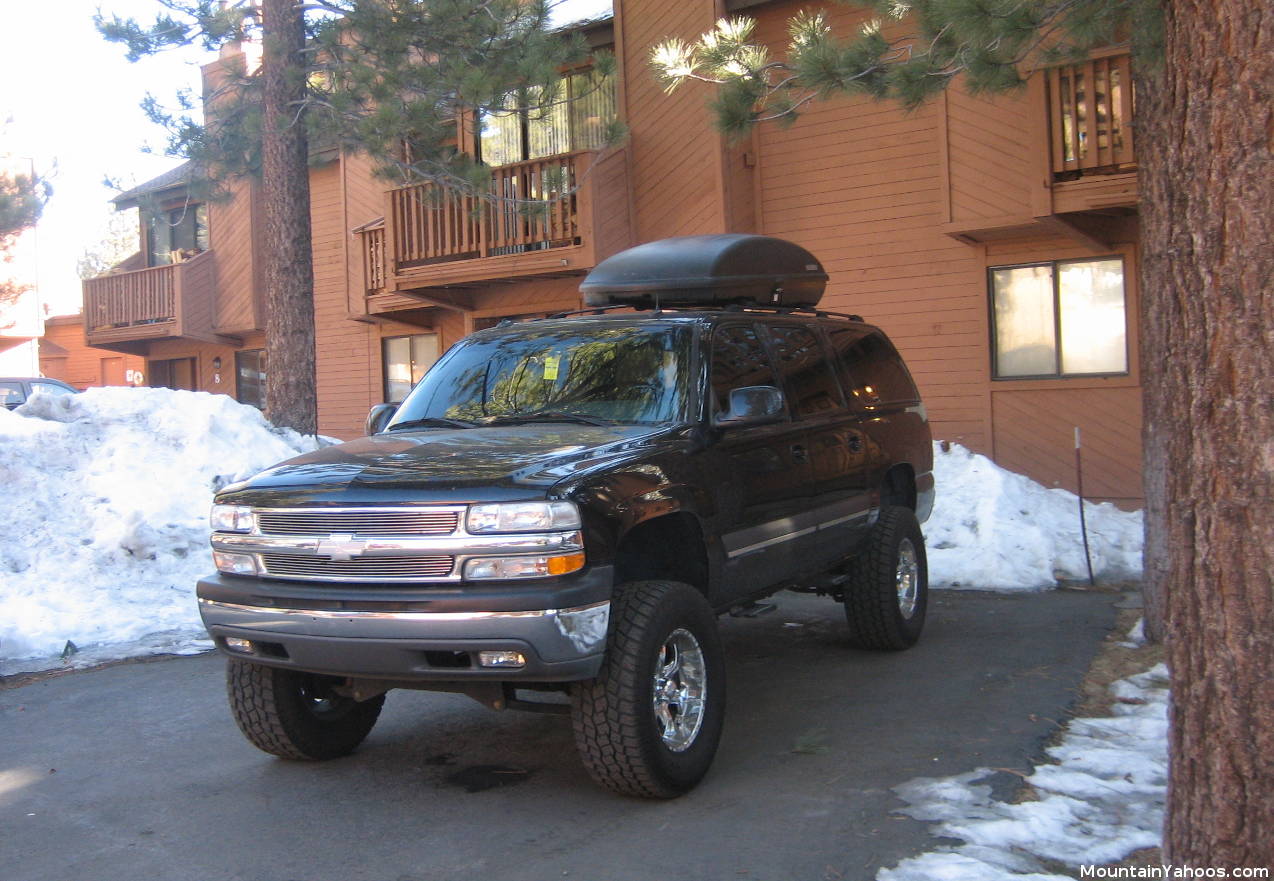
x=374 y=256
x=1090 y=116
x=524 y=211
x=130 y=299
x=162 y=301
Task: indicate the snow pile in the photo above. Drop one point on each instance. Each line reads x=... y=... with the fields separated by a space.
x=993 y=529
x=1102 y=800
x=105 y=508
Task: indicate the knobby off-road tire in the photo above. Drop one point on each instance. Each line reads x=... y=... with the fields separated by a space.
x=296 y=715
x=649 y=724
x=888 y=589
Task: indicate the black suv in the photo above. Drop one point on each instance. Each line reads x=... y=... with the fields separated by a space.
x=565 y=505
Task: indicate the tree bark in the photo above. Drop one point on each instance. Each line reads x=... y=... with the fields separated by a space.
x=1208 y=354
x=291 y=398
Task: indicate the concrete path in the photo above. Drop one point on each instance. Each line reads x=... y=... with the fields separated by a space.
x=137 y=771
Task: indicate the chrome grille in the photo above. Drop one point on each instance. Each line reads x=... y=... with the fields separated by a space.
x=379 y=523
x=372 y=568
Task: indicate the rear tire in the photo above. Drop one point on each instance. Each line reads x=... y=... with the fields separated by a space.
x=649 y=724
x=887 y=594
x=297 y=715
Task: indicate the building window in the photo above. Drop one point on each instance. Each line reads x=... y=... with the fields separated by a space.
x=249 y=371
x=579 y=119
x=1059 y=319
x=406 y=358
x=177 y=233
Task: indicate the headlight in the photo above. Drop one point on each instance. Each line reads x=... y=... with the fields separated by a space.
x=230 y=518
x=523 y=517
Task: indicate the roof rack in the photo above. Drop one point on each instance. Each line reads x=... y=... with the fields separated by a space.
x=729 y=307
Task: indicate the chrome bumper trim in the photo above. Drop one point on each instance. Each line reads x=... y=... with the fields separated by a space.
x=393 y=616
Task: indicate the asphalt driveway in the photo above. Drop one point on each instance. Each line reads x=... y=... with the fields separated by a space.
x=138 y=772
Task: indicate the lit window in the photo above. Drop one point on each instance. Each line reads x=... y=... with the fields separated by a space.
x=1059 y=319
x=406 y=358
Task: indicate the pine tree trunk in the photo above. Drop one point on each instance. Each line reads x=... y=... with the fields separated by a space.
x=291 y=399
x=1208 y=349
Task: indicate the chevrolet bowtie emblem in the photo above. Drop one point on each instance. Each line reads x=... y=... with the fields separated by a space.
x=340 y=547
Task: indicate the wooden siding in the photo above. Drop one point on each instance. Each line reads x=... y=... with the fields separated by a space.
x=70 y=358
x=197 y=296
x=989 y=151
x=347 y=365
x=859 y=184
x=364 y=201
x=234 y=228
x=675 y=153
x=1035 y=430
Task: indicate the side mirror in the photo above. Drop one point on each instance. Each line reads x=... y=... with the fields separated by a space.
x=752 y=405
x=378 y=418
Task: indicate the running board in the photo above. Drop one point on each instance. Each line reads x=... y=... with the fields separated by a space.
x=752 y=610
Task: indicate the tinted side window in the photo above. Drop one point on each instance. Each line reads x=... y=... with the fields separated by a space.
x=873 y=368
x=810 y=383
x=738 y=360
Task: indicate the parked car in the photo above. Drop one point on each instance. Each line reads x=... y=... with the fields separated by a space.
x=15 y=390
x=564 y=506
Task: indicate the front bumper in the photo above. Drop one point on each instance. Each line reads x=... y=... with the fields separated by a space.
x=361 y=633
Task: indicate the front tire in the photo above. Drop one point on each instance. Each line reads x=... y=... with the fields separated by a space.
x=649 y=724
x=887 y=594
x=297 y=715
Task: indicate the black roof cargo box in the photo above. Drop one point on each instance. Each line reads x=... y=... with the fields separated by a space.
x=712 y=270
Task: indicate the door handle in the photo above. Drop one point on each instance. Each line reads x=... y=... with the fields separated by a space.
x=800 y=454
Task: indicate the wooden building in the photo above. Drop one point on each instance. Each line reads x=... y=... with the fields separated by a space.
x=65 y=355
x=994 y=239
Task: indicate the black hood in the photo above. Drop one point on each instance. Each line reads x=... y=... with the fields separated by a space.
x=451 y=465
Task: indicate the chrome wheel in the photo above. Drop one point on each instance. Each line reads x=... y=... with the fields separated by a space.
x=907 y=578
x=679 y=690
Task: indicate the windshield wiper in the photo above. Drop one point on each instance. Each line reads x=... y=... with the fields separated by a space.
x=431 y=422
x=548 y=416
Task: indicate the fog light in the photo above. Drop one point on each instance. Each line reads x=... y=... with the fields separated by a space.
x=235 y=564
x=501 y=659
x=235 y=644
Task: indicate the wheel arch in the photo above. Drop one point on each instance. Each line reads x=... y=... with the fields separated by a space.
x=898 y=486
x=668 y=547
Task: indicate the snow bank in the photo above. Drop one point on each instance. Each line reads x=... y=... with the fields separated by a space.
x=105 y=507
x=993 y=529
x=1102 y=800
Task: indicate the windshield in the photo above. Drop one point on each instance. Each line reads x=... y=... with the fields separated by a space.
x=566 y=371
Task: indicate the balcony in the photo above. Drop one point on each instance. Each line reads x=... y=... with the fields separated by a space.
x=1057 y=158
x=125 y=310
x=1091 y=152
x=554 y=216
